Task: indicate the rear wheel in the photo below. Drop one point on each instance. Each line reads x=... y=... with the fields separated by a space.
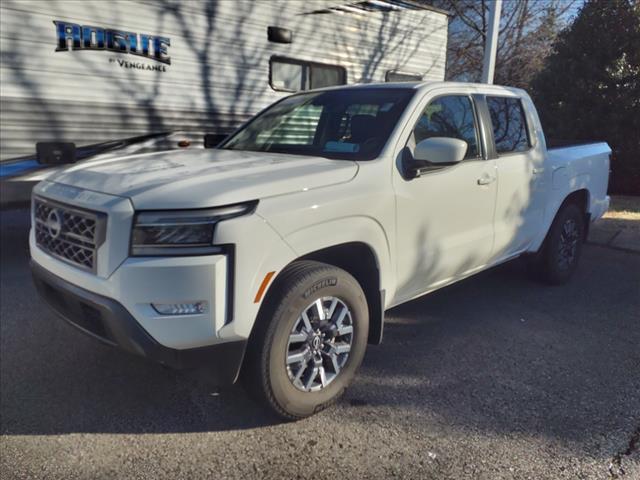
x=558 y=258
x=309 y=341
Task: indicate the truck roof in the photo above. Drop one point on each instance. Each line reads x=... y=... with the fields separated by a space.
x=423 y=85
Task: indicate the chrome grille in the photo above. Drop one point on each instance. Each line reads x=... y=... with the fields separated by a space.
x=69 y=233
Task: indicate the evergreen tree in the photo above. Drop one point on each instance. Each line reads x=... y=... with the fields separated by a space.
x=589 y=88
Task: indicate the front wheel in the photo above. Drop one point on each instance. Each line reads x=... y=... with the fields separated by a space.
x=309 y=341
x=558 y=258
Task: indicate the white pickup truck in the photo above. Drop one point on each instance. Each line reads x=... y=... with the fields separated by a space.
x=274 y=256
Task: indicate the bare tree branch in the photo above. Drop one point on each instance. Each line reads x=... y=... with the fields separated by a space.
x=527 y=31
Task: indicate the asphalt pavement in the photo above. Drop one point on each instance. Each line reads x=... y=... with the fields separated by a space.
x=495 y=377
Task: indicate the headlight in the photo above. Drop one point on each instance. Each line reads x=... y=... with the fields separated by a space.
x=187 y=232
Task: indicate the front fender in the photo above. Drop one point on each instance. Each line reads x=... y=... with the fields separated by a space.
x=344 y=230
x=259 y=250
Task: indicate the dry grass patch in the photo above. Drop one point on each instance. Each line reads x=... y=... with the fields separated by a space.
x=623 y=214
x=624 y=208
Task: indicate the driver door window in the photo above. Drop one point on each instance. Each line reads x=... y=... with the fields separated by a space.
x=451 y=116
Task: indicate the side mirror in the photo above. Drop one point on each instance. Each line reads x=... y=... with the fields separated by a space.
x=212 y=140
x=55 y=153
x=440 y=151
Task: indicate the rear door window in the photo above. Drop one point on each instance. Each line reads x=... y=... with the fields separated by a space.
x=509 y=124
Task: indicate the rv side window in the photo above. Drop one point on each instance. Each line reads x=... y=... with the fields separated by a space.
x=286 y=76
x=326 y=76
x=395 y=76
x=290 y=75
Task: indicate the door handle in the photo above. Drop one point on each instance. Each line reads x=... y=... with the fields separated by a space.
x=486 y=180
x=538 y=171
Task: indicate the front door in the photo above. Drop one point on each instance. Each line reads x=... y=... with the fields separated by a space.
x=445 y=216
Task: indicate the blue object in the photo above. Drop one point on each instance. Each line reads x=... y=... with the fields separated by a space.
x=15 y=168
x=343 y=147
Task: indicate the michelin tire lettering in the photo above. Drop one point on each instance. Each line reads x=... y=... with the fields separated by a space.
x=328 y=282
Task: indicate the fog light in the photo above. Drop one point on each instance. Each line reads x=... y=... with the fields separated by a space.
x=191 y=308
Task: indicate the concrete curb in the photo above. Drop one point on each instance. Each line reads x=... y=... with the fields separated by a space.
x=627 y=240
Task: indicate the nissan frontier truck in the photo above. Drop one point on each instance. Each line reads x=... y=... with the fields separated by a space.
x=273 y=257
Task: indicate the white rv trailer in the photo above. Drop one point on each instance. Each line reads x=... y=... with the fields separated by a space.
x=100 y=76
x=95 y=71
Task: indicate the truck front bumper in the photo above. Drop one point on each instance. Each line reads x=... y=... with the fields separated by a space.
x=108 y=321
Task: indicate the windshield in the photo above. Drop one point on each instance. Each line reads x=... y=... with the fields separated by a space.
x=349 y=124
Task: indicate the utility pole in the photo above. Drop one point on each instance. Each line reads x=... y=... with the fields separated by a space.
x=491 y=43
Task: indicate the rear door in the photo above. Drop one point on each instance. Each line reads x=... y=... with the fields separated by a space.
x=520 y=197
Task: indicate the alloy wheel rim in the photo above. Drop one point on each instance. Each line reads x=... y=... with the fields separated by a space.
x=568 y=245
x=319 y=344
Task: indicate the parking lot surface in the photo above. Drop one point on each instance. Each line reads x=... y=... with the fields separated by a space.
x=496 y=377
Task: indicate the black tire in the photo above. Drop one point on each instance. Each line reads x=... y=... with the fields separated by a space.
x=557 y=259
x=265 y=373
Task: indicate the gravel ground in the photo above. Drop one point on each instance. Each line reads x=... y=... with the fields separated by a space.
x=493 y=378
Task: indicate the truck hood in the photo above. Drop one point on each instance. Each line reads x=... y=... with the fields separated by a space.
x=205 y=178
